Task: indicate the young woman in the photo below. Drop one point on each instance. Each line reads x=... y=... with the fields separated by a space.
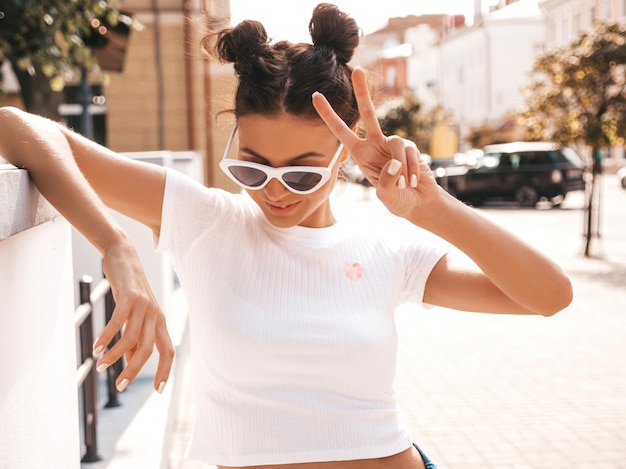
x=291 y=311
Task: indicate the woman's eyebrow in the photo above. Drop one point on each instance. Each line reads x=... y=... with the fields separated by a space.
x=264 y=160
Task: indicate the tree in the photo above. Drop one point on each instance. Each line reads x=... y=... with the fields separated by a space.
x=577 y=94
x=506 y=130
x=404 y=117
x=52 y=41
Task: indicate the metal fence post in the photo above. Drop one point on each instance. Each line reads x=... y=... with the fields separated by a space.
x=116 y=368
x=90 y=385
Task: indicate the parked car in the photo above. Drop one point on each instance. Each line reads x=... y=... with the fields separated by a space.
x=621 y=177
x=525 y=172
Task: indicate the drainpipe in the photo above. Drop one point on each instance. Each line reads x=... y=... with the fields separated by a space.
x=215 y=12
x=189 y=76
x=159 y=76
x=209 y=177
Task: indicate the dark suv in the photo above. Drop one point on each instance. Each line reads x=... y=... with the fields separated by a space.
x=521 y=171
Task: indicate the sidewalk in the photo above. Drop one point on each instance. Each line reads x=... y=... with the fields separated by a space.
x=477 y=390
x=138 y=433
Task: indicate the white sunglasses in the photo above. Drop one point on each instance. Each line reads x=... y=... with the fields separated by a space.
x=254 y=176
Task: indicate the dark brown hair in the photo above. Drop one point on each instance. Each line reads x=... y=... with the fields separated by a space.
x=281 y=78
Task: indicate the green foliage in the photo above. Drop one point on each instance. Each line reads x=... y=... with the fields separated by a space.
x=507 y=130
x=578 y=93
x=403 y=117
x=56 y=36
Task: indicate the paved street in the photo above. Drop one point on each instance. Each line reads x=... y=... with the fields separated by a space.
x=482 y=391
x=488 y=391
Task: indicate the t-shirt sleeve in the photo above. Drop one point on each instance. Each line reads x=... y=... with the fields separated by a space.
x=189 y=210
x=421 y=255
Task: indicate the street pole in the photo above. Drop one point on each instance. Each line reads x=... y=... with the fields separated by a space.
x=594 y=202
x=86 y=124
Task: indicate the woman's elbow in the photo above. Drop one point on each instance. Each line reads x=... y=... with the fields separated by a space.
x=561 y=296
x=10 y=118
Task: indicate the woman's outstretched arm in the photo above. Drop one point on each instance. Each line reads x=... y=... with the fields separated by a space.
x=493 y=270
x=80 y=178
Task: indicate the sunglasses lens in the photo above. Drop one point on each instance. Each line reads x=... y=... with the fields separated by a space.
x=302 y=180
x=250 y=177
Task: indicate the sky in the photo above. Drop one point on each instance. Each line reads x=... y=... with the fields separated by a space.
x=289 y=19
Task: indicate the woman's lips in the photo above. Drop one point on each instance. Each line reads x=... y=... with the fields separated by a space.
x=281 y=209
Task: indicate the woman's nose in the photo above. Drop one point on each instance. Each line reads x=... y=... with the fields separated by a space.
x=275 y=190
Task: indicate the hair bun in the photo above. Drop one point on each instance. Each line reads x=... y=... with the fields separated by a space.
x=331 y=28
x=246 y=40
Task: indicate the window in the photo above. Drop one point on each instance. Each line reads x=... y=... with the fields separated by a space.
x=536 y=158
x=564 y=30
x=576 y=25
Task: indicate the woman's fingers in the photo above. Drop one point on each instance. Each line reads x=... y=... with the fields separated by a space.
x=335 y=123
x=394 y=172
x=365 y=104
x=413 y=163
x=366 y=108
x=144 y=329
x=129 y=340
x=166 y=356
x=141 y=350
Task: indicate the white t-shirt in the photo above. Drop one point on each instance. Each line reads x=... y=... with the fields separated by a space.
x=293 y=340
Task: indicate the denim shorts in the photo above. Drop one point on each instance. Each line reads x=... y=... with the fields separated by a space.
x=427 y=462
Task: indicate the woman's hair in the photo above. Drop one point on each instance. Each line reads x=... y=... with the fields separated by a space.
x=281 y=78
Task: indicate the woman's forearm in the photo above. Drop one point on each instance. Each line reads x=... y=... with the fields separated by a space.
x=38 y=145
x=519 y=270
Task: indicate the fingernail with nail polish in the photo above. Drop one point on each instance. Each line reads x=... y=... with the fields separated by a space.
x=161 y=387
x=394 y=167
x=101 y=367
x=123 y=385
x=413 y=180
x=98 y=350
x=401 y=182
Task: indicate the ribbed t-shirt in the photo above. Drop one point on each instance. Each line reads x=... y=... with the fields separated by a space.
x=293 y=340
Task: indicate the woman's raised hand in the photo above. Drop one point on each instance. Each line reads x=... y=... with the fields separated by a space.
x=403 y=181
x=137 y=312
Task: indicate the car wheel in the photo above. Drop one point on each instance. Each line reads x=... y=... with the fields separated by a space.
x=526 y=196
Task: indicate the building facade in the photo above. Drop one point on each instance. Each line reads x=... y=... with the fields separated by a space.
x=567 y=19
x=474 y=71
x=167 y=94
x=478 y=71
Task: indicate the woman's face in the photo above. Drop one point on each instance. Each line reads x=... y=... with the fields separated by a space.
x=286 y=141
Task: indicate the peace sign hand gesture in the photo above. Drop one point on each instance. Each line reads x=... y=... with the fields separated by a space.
x=403 y=181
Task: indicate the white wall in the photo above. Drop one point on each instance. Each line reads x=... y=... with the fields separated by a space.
x=39 y=425
x=514 y=49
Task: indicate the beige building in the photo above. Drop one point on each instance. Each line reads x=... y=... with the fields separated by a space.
x=168 y=94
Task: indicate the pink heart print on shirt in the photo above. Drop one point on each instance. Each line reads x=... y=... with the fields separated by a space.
x=353 y=271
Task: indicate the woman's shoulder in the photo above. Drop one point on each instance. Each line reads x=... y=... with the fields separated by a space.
x=191 y=209
x=188 y=190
